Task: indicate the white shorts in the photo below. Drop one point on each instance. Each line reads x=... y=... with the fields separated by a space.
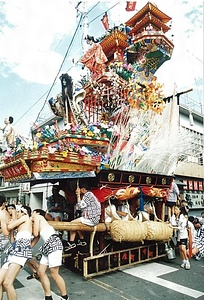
x=56 y=214
x=16 y=260
x=86 y=221
x=53 y=259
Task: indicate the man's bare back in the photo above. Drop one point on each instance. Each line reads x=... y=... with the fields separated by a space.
x=39 y=223
x=4 y=219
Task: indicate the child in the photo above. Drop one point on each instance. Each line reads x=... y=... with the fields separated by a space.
x=182 y=224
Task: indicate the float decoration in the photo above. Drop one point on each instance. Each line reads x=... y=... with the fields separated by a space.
x=112 y=116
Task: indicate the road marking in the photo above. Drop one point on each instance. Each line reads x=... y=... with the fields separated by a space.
x=154 y=270
x=116 y=291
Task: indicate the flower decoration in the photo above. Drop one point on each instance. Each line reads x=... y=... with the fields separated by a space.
x=122 y=69
x=147 y=96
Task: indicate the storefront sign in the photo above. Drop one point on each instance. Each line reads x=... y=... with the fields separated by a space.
x=195 y=200
x=195 y=185
x=186 y=184
x=200 y=184
x=190 y=185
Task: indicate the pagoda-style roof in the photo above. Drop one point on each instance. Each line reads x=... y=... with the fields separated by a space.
x=149 y=7
x=149 y=19
x=116 y=40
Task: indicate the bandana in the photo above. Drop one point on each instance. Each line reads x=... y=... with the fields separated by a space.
x=24 y=210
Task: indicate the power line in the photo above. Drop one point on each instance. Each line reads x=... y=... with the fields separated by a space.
x=103 y=13
x=54 y=82
x=73 y=37
x=31 y=107
x=82 y=15
x=195 y=56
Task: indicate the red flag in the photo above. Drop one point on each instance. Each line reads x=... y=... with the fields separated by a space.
x=104 y=20
x=130 y=5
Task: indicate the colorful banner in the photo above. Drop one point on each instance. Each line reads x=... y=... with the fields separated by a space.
x=105 y=22
x=130 y=5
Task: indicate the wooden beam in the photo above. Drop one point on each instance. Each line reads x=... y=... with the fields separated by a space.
x=101 y=227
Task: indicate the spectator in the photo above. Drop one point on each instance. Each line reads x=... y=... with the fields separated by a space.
x=182 y=224
x=51 y=254
x=174 y=221
x=198 y=245
x=201 y=219
x=91 y=212
x=18 y=205
x=172 y=198
x=184 y=207
x=191 y=235
x=55 y=205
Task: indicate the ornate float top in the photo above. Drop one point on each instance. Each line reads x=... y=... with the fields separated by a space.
x=113 y=116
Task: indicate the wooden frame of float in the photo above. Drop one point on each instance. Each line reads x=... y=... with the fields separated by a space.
x=101 y=263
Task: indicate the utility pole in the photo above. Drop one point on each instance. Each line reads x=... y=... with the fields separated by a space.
x=85 y=24
x=177 y=95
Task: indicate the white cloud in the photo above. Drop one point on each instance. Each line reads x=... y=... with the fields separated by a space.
x=29 y=43
x=35 y=35
x=34 y=27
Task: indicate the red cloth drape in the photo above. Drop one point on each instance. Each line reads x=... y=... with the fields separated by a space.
x=94 y=59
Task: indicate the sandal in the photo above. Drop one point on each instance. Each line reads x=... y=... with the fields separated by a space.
x=34 y=275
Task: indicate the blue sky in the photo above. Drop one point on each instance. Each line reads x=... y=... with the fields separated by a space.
x=36 y=34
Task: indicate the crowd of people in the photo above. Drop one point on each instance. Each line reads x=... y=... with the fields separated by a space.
x=189 y=230
x=26 y=227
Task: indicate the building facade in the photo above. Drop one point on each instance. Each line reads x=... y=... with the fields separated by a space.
x=190 y=170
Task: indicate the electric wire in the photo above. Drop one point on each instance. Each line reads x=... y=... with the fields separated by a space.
x=68 y=49
x=103 y=13
x=49 y=91
x=31 y=107
x=73 y=37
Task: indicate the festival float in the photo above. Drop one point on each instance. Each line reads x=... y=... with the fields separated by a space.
x=116 y=123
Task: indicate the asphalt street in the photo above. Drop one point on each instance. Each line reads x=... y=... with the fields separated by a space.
x=160 y=279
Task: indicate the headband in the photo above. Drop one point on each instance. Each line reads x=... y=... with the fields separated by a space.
x=24 y=210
